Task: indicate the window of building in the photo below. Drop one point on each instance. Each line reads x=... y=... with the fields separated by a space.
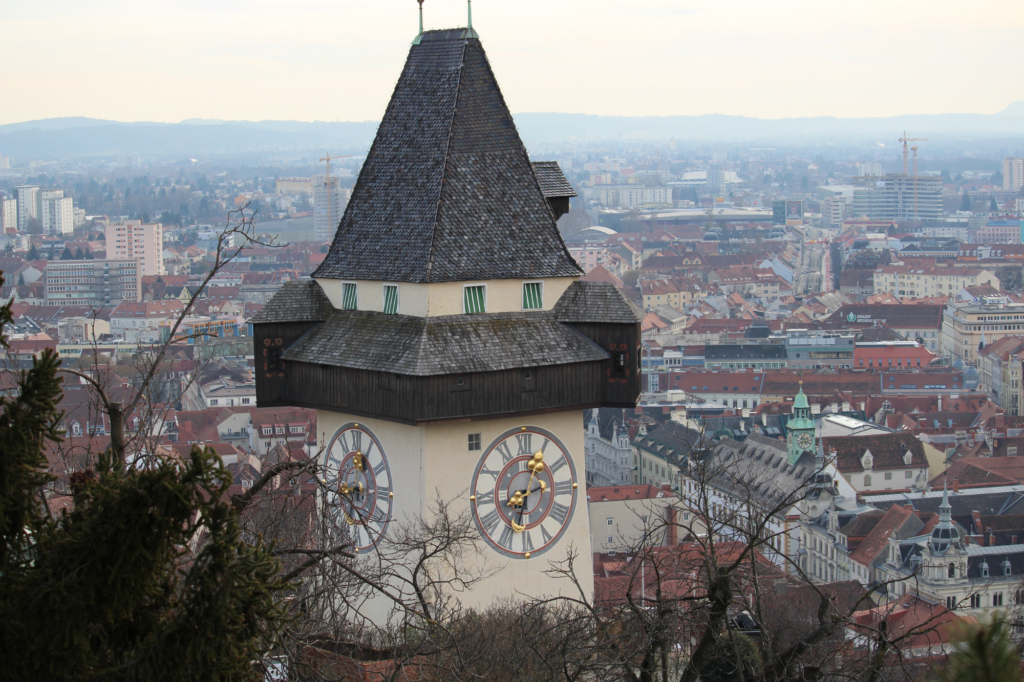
x=997 y=599
x=295 y=429
x=390 y=299
x=951 y=570
x=213 y=401
x=475 y=299
x=279 y=430
x=951 y=603
x=610 y=539
x=268 y=431
x=975 y=601
x=610 y=522
x=474 y=441
x=532 y=296
x=908 y=474
x=349 y=298
x=245 y=401
x=888 y=475
x=867 y=480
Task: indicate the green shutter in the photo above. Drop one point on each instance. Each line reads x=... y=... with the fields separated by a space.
x=474 y=300
x=390 y=299
x=531 y=296
x=348 y=296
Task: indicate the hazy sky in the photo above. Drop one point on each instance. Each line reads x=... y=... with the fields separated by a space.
x=133 y=60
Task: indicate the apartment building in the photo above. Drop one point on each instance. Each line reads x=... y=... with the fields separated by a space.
x=915 y=282
x=589 y=256
x=92 y=283
x=294 y=185
x=1013 y=174
x=141 y=321
x=132 y=240
x=999 y=232
x=28 y=205
x=9 y=215
x=966 y=327
x=633 y=196
x=56 y=212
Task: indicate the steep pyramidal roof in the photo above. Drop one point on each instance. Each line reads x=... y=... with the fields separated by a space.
x=447 y=192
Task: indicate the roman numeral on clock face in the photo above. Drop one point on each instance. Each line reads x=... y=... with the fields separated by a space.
x=506 y=537
x=559 y=512
x=563 y=488
x=524 y=440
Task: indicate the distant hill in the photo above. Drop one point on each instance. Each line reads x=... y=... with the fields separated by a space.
x=77 y=137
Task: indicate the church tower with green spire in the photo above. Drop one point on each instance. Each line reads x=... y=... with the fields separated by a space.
x=800 y=429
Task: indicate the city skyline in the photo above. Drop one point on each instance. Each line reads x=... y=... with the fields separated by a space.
x=233 y=61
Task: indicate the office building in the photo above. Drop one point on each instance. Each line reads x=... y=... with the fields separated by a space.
x=328 y=206
x=898 y=197
x=28 y=205
x=56 y=212
x=131 y=240
x=1013 y=174
x=94 y=283
x=869 y=169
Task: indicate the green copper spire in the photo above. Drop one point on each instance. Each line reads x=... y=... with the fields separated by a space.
x=419 y=36
x=469 y=32
x=801 y=400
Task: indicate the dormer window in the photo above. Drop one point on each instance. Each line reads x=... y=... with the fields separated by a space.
x=984 y=569
x=1007 y=567
x=390 y=299
x=908 y=458
x=533 y=295
x=475 y=299
x=349 y=296
x=867 y=460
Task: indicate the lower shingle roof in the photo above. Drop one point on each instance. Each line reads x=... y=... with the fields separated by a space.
x=596 y=302
x=302 y=301
x=451 y=344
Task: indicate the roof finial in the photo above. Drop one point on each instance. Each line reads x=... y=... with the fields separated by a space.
x=419 y=36
x=469 y=32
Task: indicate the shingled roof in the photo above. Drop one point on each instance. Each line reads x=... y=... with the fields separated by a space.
x=447 y=192
x=302 y=301
x=887 y=451
x=552 y=181
x=450 y=344
x=596 y=302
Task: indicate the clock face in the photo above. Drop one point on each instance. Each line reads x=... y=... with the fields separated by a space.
x=805 y=441
x=523 y=492
x=359 y=484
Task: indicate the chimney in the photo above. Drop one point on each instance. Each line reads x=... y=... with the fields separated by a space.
x=764 y=419
x=781 y=587
x=940 y=403
x=1013 y=539
x=745 y=412
x=976 y=517
x=991 y=538
x=956 y=485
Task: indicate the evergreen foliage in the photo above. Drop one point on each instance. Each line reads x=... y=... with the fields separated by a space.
x=733 y=659
x=146 y=577
x=985 y=654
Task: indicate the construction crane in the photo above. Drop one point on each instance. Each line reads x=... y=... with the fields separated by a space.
x=329 y=185
x=914 y=149
x=905 y=140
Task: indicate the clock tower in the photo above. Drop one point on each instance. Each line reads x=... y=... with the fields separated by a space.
x=799 y=429
x=446 y=341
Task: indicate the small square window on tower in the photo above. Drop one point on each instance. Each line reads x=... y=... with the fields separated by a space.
x=474 y=441
x=533 y=296
x=349 y=299
x=475 y=300
x=390 y=299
